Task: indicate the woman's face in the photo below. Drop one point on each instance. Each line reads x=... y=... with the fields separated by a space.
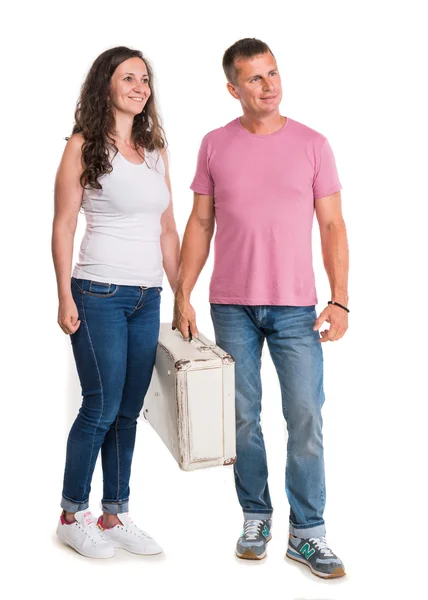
x=129 y=87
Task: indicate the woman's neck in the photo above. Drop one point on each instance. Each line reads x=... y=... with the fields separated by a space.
x=123 y=129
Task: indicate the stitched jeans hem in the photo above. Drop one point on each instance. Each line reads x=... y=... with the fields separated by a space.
x=73 y=507
x=308 y=531
x=115 y=508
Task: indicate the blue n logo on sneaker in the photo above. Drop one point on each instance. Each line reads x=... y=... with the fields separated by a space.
x=265 y=531
x=307 y=551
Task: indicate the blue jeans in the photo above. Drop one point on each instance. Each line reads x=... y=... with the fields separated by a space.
x=114 y=349
x=297 y=356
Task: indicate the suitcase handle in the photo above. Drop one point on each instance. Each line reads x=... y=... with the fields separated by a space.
x=209 y=346
x=206 y=343
x=201 y=338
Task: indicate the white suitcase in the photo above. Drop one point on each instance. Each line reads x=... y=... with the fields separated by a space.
x=191 y=400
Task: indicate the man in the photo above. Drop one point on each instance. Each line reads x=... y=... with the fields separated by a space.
x=260 y=178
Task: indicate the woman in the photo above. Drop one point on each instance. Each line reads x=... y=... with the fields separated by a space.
x=115 y=167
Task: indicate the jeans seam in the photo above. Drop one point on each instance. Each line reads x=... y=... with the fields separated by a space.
x=283 y=401
x=136 y=307
x=117 y=456
x=259 y=394
x=144 y=299
x=102 y=392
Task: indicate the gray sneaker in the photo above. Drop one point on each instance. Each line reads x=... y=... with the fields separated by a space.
x=315 y=553
x=253 y=540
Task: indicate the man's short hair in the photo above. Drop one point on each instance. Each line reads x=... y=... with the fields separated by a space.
x=245 y=48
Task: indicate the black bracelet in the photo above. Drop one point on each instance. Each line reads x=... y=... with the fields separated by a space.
x=337 y=304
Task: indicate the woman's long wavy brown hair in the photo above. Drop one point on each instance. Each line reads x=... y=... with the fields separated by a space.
x=94 y=117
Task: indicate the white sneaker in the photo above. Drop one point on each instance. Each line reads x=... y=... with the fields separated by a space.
x=129 y=537
x=84 y=536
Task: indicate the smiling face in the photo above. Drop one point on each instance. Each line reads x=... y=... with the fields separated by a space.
x=257 y=85
x=129 y=86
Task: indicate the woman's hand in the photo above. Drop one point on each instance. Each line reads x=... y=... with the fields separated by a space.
x=68 y=316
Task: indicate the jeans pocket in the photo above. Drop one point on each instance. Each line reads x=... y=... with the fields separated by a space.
x=77 y=283
x=99 y=289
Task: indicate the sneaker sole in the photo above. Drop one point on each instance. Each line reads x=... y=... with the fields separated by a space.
x=338 y=572
x=64 y=540
x=250 y=555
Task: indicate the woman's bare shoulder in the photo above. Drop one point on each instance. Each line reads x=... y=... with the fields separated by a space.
x=75 y=142
x=72 y=155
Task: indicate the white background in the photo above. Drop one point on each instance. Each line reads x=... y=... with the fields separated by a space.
x=357 y=73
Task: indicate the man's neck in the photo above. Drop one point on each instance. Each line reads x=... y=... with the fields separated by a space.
x=262 y=125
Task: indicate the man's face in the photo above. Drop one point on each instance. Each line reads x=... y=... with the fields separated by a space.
x=258 y=84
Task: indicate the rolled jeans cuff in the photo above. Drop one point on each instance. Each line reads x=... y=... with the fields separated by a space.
x=72 y=506
x=254 y=516
x=307 y=532
x=115 y=508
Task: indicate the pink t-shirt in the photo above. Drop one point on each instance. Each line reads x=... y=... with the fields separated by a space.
x=264 y=187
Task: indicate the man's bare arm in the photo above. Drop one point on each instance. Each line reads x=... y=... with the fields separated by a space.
x=194 y=253
x=335 y=253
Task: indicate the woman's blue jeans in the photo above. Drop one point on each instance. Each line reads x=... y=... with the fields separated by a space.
x=297 y=355
x=114 y=349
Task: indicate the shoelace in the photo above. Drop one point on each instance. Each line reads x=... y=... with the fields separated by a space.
x=252 y=529
x=93 y=531
x=321 y=544
x=142 y=533
x=135 y=530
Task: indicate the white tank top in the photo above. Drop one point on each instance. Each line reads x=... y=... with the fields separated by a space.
x=122 y=239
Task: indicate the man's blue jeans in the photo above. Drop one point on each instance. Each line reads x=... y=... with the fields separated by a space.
x=297 y=356
x=114 y=349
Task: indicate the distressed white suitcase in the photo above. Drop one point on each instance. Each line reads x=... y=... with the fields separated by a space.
x=191 y=400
